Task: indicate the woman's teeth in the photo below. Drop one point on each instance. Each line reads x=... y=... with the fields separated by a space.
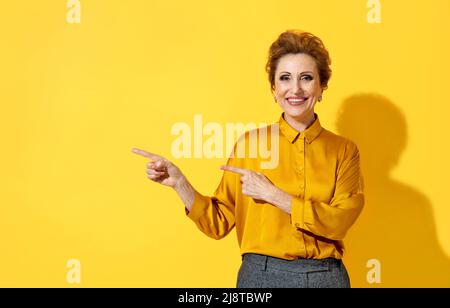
x=296 y=101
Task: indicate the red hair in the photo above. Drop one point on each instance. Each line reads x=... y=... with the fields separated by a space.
x=296 y=41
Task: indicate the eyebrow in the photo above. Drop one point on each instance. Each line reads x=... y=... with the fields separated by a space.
x=300 y=73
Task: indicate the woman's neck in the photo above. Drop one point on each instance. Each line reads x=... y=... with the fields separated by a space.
x=300 y=124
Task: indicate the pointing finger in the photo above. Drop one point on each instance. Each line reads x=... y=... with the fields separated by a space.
x=146 y=154
x=240 y=171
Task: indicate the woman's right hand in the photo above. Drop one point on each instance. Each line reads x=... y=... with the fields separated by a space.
x=160 y=170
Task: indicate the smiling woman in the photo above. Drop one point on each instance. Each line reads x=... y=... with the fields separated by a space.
x=291 y=219
x=299 y=71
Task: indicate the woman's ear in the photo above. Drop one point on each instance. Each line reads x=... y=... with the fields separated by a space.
x=274 y=97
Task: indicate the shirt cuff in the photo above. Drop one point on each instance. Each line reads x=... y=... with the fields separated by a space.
x=301 y=212
x=198 y=207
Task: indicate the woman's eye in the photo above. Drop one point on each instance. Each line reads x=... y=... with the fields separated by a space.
x=305 y=77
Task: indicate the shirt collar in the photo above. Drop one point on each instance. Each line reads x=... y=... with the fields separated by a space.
x=292 y=134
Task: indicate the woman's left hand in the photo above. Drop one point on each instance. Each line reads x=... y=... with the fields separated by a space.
x=257 y=186
x=254 y=184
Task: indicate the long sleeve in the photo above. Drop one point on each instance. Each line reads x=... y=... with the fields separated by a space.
x=214 y=216
x=333 y=220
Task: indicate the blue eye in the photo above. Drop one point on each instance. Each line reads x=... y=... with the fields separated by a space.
x=308 y=77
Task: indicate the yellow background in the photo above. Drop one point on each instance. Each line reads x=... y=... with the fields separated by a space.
x=76 y=98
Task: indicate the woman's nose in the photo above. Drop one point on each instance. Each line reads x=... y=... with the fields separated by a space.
x=297 y=88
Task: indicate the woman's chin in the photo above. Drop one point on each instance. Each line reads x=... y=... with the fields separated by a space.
x=294 y=113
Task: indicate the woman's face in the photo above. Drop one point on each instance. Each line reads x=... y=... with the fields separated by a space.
x=297 y=86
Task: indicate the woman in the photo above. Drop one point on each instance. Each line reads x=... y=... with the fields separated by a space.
x=290 y=220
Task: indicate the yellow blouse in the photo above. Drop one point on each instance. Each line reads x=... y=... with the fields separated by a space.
x=320 y=169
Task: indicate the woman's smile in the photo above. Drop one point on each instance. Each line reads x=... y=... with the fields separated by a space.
x=296 y=101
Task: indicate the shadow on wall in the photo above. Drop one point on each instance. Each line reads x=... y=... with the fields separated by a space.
x=396 y=226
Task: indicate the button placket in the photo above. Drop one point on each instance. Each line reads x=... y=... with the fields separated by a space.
x=300 y=165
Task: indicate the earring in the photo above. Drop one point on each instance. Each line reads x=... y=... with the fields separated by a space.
x=275 y=98
x=320 y=98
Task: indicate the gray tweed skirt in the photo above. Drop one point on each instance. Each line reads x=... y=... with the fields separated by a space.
x=260 y=271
